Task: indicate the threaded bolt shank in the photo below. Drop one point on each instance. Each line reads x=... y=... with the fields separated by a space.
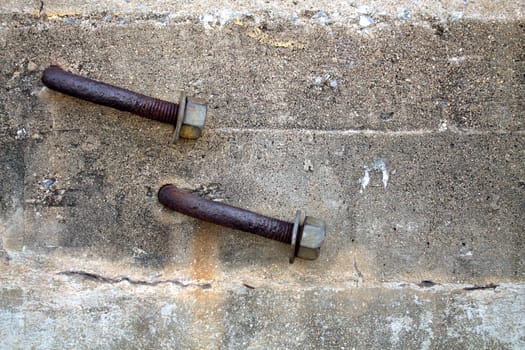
x=87 y=89
x=225 y=215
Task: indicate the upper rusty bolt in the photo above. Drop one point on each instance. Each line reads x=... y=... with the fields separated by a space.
x=188 y=116
x=305 y=235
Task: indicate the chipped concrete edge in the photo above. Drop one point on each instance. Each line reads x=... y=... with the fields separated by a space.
x=220 y=13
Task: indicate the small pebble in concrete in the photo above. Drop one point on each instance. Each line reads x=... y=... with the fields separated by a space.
x=464 y=252
x=322 y=18
x=363 y=10
x=31 y=66
x=443 y=126
x=325 y=80
x=308 y=166
x=457 y=15
x=319 y=14
x=456 y=59
x=207 y=20
x=365 y=21
x=318 y=81
x=21 y=134
x=404 y=14
x=386 y=115
x=47 y=183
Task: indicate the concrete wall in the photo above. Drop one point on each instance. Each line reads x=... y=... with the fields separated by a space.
x=306 y=101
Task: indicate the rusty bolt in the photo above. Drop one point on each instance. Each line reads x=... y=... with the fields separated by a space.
x=188 y=116
x=305 y=236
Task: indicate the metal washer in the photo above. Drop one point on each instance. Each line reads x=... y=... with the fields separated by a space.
x=295 y=235
x=180 y=117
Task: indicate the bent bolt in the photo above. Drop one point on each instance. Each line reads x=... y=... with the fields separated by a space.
x=188 y=116
x=305 y=236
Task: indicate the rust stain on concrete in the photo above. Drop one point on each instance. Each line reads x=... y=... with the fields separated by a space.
x=207 y=310
x=204 y=245
x=265 y=38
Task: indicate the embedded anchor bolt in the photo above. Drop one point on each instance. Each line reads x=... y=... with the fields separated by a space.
x=188 y=116
x=305 y=236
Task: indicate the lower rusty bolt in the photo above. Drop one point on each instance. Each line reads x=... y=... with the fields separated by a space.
x=188 y=116
x=305 y=236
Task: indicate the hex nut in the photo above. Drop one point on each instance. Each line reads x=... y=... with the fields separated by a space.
x=312 y=237
x=191 y=117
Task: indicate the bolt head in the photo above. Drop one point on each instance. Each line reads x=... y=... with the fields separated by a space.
x=190 y=118
x=313 y=233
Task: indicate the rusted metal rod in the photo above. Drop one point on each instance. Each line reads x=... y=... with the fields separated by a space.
x=108 y=95
x=225 y=215
x=190 y=113
x=305 y=236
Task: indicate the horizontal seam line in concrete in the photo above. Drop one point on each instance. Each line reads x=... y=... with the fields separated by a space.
x=372 y=132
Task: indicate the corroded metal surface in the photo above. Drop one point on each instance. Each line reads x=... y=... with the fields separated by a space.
x=108 y=95
x=225 y=215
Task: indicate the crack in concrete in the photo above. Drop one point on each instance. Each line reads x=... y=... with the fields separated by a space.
x=99 y=278
x=359 y=273
x=425 y=286
x=434 y=287
x=476 y=287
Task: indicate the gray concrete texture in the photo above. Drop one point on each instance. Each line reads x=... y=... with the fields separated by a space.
x=399 y=123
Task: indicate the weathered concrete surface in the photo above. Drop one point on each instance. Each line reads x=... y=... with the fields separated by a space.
x=406 y=136
x=222 y=9
x=84 y=312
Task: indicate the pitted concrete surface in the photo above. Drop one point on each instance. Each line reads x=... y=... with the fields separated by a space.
x=401 y=124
